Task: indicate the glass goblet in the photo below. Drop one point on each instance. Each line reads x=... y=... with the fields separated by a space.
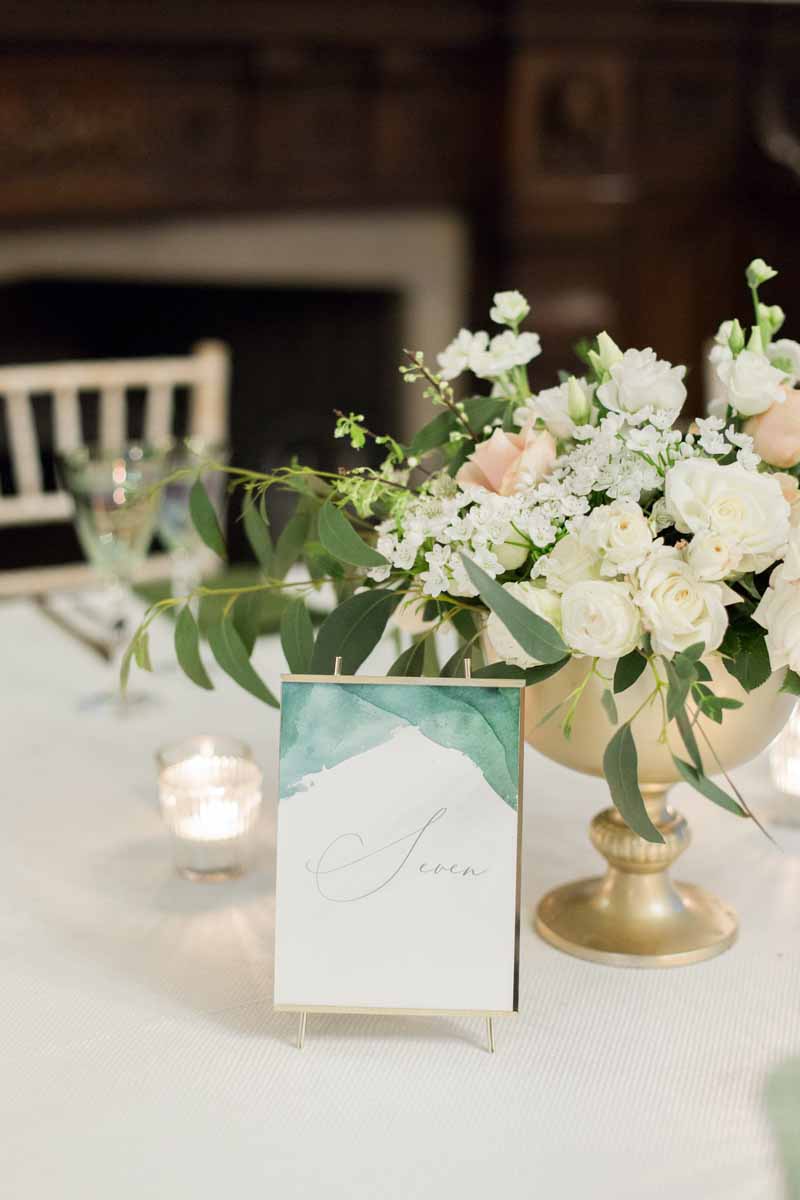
x=174 y=524
x=116 y=506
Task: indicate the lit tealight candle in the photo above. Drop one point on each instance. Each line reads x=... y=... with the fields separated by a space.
x=210 y=791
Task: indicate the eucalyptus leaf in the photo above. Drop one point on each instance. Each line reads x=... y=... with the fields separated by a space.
x=229 y=651
x=297 y=637
x=454 y=667
x=531 y=675
x=247 y=619
x=187 y=649
x=290 y=543
x=701 y=783
x=628 y=670
x=621 y=769
x=341 y=540
x=465 y=622
x=436 y=433
x=689 y=740
x=791 y=683
x=353 y=630
x=607 y=700
x=205 y=520
x=535 y=635
x=141 y=651
x=410 y=662
x=256 y=528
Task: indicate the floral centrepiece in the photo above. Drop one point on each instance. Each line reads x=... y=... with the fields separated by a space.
x=583 y=521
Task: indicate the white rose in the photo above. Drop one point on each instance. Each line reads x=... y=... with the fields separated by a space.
x=461 y=353
x=744 y=507
x=506 y=350
x=641 y=380
x=678 y=609
x=779 y=613
x=569 y=562
x=509 y=308
x=600 y=619
x=751 y=385
x=711 y=557
x=619 y=534
x=787 y=351
x=790 y=568
x=540 y=600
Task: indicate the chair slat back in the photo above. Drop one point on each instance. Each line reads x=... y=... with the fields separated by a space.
x=205 y=373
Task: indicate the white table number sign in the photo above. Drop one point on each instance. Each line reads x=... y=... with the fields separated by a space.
x=399 y=834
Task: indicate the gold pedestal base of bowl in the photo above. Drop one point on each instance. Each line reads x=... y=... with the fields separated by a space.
x=634 y=915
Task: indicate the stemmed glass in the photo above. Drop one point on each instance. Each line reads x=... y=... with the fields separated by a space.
x=115 y=514
x=174 y=524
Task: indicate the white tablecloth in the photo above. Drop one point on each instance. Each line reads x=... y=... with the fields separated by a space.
x=141 y=1057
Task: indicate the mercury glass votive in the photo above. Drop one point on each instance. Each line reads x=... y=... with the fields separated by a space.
x=210 y=792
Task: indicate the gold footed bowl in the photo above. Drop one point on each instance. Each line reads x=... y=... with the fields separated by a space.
x=635 y=915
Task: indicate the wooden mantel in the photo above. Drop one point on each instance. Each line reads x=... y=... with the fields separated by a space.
x=605 y=154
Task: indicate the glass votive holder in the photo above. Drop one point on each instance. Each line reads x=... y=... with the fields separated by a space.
x=210 y=793
x=783 y=808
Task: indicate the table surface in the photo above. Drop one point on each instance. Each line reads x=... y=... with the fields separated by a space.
x=141 y=1055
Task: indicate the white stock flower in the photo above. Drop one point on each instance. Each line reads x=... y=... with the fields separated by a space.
x=509 y=308
x=570 y=561
x=721 y=350
x=744 y=507
x=711 y=557
x=459 y=356
x=642 y=380
x=678 y=609
x=506 y=351
x=540 y=600
x=556 y=406
x=619 y=535
x=779 y=613
x=751 y=384
x=599 y=618
x=788 y=352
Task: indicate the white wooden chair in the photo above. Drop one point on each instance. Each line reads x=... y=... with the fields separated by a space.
x=205 y=373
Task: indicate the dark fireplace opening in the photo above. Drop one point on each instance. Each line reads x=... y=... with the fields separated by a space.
x=297 y=354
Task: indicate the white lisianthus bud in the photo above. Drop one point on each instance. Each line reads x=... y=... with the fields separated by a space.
x=784 y=354
x=751 y=385
x=619 y=535
x=543 y=602
x=509 y=308
x=758 y=272
x=579 y=400
x=570 y=561
x=711 y=557
x=736 y=338
x=678 y=609
x=746 y=508
x=641 y=380
x=607 y=353
x=599 y=618
x=511 y=553
x=755 y=343
x=772 y=315
x=779 y=613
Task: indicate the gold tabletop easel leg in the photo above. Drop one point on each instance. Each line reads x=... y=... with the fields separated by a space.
x=301 y=1031
x=490 y=1034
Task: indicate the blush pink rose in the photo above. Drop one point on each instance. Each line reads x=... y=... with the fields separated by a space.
x=776 y=432
x=507 y=462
